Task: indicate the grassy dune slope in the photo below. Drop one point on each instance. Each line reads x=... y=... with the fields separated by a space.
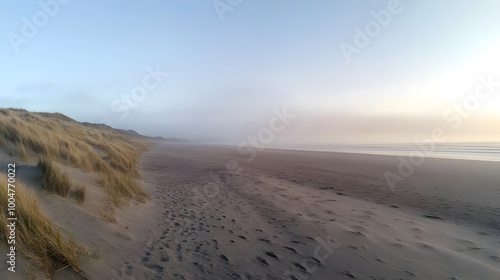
x=55 y=141
x=38 y=238
x=112 y=155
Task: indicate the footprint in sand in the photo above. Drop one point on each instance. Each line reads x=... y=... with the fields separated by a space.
x=272 y=255
x=261 y=260
x=290 y=249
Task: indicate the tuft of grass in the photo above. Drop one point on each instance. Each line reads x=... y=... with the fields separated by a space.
x=81 y=194
x=121 y=188
x=15 y=150
x=54 y=180
x=37 y=238
x=24 y=153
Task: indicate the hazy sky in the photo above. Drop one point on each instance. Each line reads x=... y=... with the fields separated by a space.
x=231 y=63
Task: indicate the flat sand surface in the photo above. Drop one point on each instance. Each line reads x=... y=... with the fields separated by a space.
x=313 y=215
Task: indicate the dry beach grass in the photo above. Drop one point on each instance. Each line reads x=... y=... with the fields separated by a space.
x=58 y=143
x=54 y=180
x=49 y=253
x=56 y=137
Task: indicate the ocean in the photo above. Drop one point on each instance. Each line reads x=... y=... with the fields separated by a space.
x=467 y=151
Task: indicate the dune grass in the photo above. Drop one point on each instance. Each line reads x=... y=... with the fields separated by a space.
x=54 y=180
x=38 y=239
x=81 y=194
x=56 y=139
x=110 y=154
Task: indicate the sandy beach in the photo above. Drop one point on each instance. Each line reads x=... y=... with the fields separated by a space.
x=250 y=140
x=215 y=214
x=311 y=215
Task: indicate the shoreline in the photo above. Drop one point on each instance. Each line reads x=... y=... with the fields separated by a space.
x=357 y=152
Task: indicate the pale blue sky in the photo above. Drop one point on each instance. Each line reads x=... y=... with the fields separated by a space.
x=226 y=76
